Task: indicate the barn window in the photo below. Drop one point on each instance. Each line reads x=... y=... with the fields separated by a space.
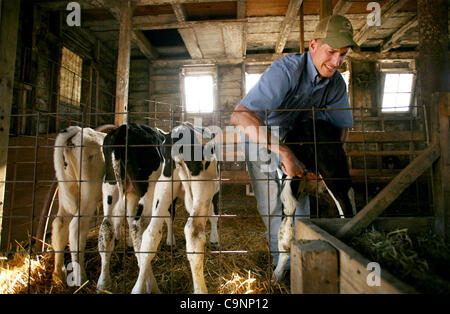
x=70 y=77
x=251 y=80
x=199 y=93
x=397 y=92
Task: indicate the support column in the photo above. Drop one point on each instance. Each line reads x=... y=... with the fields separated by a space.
x=433 y=84
x=9 y=25
x=123 y=63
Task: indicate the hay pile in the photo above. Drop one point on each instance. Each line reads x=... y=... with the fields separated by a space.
x=243 y=268
x=422 y=261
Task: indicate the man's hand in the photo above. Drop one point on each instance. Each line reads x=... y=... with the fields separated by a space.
x=290 y=165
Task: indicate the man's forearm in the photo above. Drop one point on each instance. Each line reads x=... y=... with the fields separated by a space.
x=253 y=127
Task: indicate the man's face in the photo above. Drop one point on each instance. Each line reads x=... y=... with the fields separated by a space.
x=326 y=59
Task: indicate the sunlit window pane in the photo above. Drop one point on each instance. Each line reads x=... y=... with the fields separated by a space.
x=250 y=81
x=405 y=83
x=199 y=92
x=70 y=77
x=397 y=92
x=391 y=83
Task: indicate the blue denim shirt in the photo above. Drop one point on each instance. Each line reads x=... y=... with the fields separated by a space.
x=292 y=82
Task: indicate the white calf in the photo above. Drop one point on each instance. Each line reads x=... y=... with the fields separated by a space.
x=79 y=167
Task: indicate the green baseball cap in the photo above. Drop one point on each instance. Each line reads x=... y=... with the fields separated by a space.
x=336 y=31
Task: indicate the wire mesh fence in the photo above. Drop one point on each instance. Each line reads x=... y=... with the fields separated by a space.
x=240 y=262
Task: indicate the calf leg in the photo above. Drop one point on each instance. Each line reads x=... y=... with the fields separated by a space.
x=60 y=237
x=195 y=248
x=286 y=230
x=79 y=227
x=152 y=235
x=106 y=234
x=214 y=236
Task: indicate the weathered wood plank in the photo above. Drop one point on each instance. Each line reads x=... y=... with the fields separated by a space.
x=123 y=63
x=353 y=266
x=342 y=7
x=415 y=225
x=286 y=25
x=394 y=39
x=9 y=25
x=191 y=42
x=378 y=204
x=388 y=9
x=314 y=267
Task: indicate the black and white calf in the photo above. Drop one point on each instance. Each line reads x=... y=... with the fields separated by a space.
x=189 y=169
x=316 y=144
x=137 y=146
x=79 y=167
x=134 y=162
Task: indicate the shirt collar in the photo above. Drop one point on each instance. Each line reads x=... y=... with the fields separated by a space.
x=313 y=74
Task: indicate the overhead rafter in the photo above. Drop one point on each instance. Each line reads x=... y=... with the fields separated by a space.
x=162 y=2
x=241 y=9
x=136 y=36
x=387 y=11
x=187 y=33
x=342 y=7
x=392 y=42
x=286 y=25
x=114 y=7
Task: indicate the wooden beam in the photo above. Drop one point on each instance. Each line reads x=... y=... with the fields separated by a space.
x=353 y=270
x=378 y=204
x=342 y=7
x=285 y=28
x=392 y=42
x=166 y=2
x=388 y=9
x=241 y=9
x=137 y=36
x=144 y=45
x=9 y=26
x=325 y=8
x=191 y=42
x=179 y=11
x=233 y=40
x=187 y=34
x=301 y=29
x=374 y=56
x=314 y=267
x=433 y=84
x=123 y=63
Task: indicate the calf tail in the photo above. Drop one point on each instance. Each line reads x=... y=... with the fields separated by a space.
x=63 y=164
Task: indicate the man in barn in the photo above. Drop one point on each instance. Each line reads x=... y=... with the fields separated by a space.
x=295 y=81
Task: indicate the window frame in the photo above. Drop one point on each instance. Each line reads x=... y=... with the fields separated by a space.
x=198 y=71
x=62 y=98
x=411 y=106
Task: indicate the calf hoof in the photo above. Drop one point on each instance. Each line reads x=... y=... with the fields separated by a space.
x=170 y=241
x=277 y=275
x=59 y=276
x=103 y=285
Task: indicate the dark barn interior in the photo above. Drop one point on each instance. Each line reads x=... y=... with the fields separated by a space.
x=129 y=60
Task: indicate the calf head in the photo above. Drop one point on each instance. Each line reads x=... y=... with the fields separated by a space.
x=317 y=144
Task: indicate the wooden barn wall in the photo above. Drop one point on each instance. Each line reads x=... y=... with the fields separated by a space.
x=139 y=92
x=42 y=35
x=30 y=171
